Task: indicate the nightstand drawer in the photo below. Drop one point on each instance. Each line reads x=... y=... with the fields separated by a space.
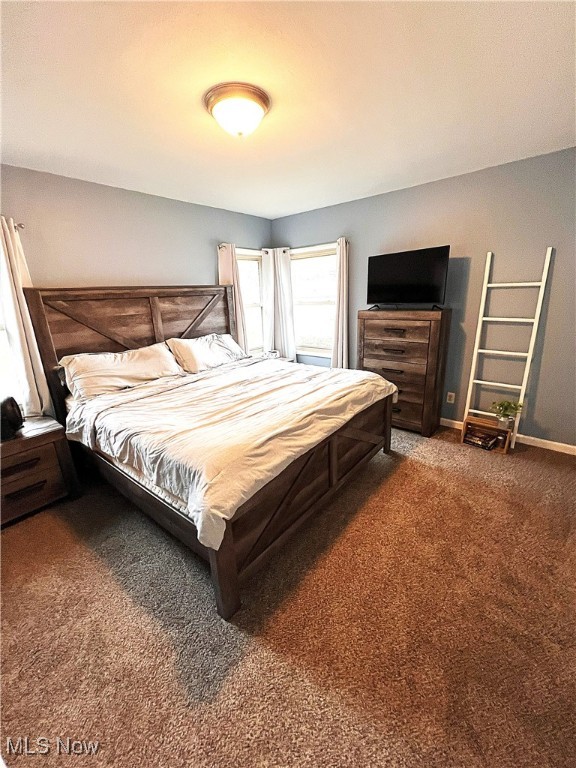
x=19 y=467
x=409 y=330
x=397 y=349
x=38 y=489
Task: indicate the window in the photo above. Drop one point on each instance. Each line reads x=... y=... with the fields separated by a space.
x=250 y=273
x=9 y=383
x=314 y=287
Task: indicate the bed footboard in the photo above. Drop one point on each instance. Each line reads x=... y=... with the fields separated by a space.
x=262 y=525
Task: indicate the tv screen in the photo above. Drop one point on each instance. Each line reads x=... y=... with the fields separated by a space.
x=409 y=277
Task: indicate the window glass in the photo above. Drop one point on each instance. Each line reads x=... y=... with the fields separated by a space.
x=253 y=318
x=249 y=271
x=314 y=286
x=314 y=278
x=9 y=383
x=314 y=326
x=250 y=274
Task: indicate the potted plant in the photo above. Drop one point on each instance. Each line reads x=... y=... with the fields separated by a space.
x=506 y=411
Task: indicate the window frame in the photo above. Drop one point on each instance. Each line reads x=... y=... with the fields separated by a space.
x=310 y=252
x=252 y=254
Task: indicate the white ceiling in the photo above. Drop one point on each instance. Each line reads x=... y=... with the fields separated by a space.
x=366 y=97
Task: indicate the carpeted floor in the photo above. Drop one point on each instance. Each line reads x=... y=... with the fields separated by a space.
x=425 y=619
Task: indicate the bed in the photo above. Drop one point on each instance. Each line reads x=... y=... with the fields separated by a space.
x=73 y=321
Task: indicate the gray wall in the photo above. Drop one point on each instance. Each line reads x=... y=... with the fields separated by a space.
x=81 y=234
x=516 y=211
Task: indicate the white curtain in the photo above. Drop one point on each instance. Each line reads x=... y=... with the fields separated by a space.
x=268 y=299
x=340 y=344
x=228 y=275
x=14 y=276
x=284 y=336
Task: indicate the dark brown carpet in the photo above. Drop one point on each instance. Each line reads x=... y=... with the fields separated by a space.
x=425 y=619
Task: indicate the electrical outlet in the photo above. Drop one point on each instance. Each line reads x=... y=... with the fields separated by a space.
x=450 y=397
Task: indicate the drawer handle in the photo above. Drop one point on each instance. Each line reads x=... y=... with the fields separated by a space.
x=25 y=491
x=396 y=330
x=20 y=467
x=392 y=370
x=396 y=410
x=394 y=351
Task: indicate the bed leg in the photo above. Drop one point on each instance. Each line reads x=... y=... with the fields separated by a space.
x=388 y=425
x=224 y=574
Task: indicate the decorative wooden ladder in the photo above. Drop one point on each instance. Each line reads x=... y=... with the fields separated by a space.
x=534 y=321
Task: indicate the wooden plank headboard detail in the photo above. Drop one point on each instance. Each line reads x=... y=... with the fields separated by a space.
x=69 y=321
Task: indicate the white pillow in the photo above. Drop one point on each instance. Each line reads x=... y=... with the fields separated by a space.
x=205 y=352
x=88 y=375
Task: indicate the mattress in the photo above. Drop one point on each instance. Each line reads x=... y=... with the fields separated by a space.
x=207 y=442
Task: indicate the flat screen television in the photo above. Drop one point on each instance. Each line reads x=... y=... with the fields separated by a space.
x=409 y=277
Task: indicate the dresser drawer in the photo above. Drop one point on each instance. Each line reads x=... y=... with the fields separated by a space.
x=411 y=384
x=397 y=349
x=409 y=330
x=39 y=488
x=407 y=413
x=396 y=370
x=410 y=392
x=17 y=469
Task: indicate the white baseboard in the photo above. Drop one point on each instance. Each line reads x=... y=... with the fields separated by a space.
x=548 y=444
x=451 y=423
x=538 y=442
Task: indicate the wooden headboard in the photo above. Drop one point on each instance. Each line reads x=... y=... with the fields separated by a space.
x=69 y=321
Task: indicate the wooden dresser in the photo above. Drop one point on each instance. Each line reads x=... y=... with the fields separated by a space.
x=408 y=348
x=37 y=468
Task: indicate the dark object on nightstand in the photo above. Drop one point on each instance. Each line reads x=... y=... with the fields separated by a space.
x=11 y=418
x=37 y=468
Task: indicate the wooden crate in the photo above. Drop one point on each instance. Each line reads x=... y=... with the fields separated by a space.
x=486 y=427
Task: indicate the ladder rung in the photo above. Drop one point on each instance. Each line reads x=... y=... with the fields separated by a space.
x=514 y=285
x=508 y=319
x=497 y=384
x=484 y=413
x=503 y=352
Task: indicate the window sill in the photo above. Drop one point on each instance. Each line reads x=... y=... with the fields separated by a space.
x=311 y=352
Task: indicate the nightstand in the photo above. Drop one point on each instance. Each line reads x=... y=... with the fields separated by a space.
x=37 y=468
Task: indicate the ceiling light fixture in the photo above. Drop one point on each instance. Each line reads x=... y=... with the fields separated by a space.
x=237 y=107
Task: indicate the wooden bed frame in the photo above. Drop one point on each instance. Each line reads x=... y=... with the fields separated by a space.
x=74 y=320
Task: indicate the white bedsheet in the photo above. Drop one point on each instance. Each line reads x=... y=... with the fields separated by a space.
x=214 y=438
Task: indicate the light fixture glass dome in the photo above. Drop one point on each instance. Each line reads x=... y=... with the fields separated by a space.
x=240 y=117
x=237 y=107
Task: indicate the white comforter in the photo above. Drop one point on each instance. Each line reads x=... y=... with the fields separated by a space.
x=215 y=438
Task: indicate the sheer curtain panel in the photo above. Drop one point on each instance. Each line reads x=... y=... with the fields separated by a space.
x=14 y=276
x=340 y=345
x=228 y=275
x=284 y=335
x=268 y=299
